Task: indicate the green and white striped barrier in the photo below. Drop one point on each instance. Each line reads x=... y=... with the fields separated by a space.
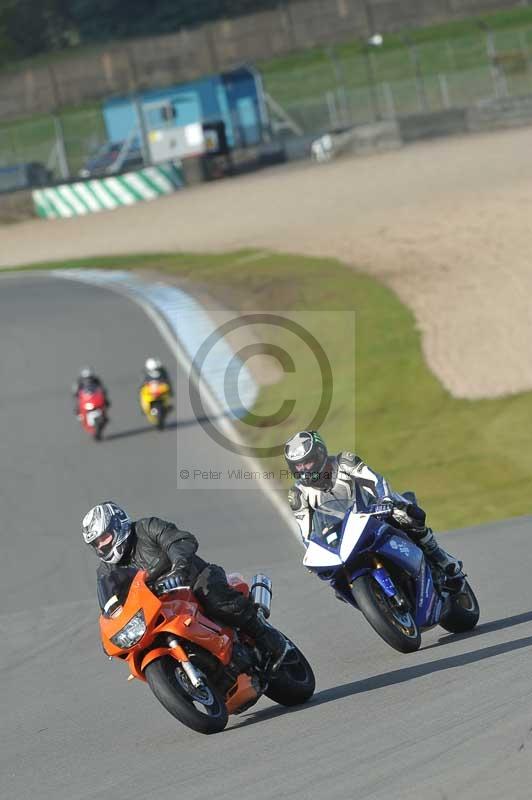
x=105 y=194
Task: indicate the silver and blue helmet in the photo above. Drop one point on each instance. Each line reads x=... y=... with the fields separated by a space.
x=107 y=529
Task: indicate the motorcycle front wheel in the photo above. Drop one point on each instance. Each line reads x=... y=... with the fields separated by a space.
x=157 y=415
x=394 y=624
x=202 y=709
x=294 y=682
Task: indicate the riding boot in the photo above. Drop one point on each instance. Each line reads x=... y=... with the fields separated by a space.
x=450 y=565
x=269 y=641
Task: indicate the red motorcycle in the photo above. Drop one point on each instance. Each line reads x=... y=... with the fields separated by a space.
x=92 y=412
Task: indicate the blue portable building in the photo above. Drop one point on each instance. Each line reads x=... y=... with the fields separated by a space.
x=234 y=97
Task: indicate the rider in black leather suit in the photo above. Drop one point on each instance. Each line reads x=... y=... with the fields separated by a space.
x=169 y=554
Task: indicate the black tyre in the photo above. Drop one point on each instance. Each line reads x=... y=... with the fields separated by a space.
x=98 y=432
x=201 y=709
x=157 y=414
x=393 y=624
x=294 y=681
x=463 y=611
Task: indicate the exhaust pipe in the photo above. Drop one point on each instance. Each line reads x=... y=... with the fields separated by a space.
x=261 y=593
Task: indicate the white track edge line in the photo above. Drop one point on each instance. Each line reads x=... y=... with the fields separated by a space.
x=215 y=407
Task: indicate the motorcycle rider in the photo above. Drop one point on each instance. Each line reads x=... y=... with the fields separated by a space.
x=88 y=381
x=155 y=371
x=321 y=478
x=169 y=556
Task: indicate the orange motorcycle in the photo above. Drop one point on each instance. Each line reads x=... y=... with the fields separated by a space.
x=201 y=671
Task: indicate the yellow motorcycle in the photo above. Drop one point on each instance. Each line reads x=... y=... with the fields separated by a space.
x=155 y=401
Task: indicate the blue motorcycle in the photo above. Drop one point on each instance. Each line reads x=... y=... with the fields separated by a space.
x=372 y=565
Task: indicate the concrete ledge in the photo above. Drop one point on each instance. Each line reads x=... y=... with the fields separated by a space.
x=361 y=140
x=429 y=126
x=507 y=112
x=374 y=137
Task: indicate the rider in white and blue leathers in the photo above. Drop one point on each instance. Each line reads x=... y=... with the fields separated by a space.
x=321 y=478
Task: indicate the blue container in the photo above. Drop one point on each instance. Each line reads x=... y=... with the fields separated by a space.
x=233 y=97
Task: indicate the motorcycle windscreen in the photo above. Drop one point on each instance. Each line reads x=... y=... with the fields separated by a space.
x=325 y=538
x=360 y=531
x=328 y=522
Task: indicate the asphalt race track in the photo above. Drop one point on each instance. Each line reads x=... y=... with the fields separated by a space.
x=453 y=720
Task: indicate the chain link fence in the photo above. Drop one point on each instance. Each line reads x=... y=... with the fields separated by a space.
x=342 y=88
x=329 y=89
x=341 y=107
x=59 y=143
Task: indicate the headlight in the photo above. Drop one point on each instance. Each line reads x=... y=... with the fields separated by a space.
x=131 y=633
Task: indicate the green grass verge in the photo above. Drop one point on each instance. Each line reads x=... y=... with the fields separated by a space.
x=469 y=461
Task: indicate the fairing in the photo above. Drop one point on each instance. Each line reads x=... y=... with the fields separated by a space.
x=367 y=544
x=176 y=613
x=401 y=551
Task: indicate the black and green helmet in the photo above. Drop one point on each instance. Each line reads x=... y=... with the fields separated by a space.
x=306 y=455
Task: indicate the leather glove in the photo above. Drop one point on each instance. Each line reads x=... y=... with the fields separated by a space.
x=383 y=506
x=411 y=517
x=401 y=516
x=170 y=582
x=180 y=572
x=417 y=514
x=180 y=566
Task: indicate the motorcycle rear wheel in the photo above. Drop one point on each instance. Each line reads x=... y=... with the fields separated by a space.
x=464 y=612
x=203 y=709
x=294 y=681
x=397 y=627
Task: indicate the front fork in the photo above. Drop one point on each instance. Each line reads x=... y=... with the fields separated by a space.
x=174 y=649
x=381 y=575
x=188 y=667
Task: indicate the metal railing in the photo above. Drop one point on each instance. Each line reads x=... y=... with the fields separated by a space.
x=61 y=143
x=344 y=106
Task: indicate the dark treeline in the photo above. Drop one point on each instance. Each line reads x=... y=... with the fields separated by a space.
x=30 y=27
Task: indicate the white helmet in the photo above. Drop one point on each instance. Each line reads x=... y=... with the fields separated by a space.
x=152 y=365
x=86 y=372
x=107 y=528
